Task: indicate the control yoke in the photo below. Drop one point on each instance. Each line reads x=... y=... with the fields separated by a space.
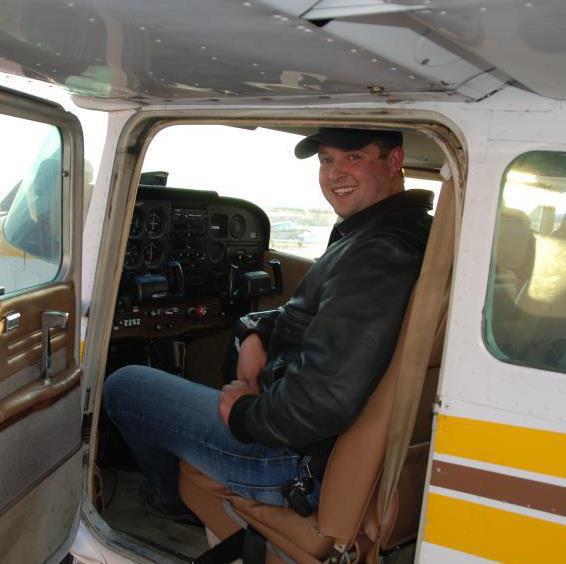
x=256 y=284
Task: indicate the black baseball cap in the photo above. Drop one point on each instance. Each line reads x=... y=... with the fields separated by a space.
x=347 y=139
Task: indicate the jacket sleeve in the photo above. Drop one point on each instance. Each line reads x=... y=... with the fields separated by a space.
x=260 y=323
x=344 y=352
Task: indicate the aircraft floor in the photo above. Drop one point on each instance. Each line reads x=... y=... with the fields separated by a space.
x=125 y=511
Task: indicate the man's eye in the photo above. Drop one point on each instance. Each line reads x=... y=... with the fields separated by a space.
x=354 y=156
x=324 y=161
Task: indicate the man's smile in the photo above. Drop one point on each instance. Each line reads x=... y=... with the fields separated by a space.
x=343 y=190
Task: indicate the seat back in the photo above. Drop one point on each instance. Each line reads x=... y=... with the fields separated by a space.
x=515 y=259
x=515 y=247
x=349 y=489
x=535 y=333
x=401 y=521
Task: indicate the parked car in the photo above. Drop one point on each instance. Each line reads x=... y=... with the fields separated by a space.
x=289 y=232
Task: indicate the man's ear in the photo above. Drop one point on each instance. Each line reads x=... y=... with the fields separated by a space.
x=395 y=161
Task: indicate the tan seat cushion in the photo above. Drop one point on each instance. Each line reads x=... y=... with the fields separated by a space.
x=296 y=536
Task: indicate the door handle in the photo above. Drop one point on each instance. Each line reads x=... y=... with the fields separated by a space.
x=49 y=320
x=11 y=321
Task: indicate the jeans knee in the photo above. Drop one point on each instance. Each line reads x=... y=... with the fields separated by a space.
x=116 y=391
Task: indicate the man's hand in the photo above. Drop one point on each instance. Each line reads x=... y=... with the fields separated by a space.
x=231 y=393
x=251 y=360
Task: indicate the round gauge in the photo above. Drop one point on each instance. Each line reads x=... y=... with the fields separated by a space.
x=154 y=223
x=133 y=254
x=237 y=227
x=152 y=254
x=136 y=227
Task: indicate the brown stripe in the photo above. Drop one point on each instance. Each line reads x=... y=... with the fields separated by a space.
x=501 y=487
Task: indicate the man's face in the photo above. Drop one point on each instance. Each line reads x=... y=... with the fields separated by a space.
x=353 y=180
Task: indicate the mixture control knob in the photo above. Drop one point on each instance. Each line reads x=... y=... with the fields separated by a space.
x=197 y=313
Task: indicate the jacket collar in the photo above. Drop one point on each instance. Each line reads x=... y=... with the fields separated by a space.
x=418 y=198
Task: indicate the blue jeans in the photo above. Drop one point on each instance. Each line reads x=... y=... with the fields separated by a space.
x=164 y=418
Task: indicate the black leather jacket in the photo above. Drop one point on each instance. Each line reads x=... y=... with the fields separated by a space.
x=330 y=343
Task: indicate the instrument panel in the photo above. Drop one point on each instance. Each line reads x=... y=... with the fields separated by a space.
x=185 y=251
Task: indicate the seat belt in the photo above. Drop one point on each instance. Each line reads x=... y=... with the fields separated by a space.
x=254 y=547
x=226 y=551
x=247 y=544
x=430 y=294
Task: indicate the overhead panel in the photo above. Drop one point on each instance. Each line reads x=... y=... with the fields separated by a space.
x=526 y=39
x=329 y=9
x=173 y=51
x=141 y=51
x=386 y=29
x=294 y=8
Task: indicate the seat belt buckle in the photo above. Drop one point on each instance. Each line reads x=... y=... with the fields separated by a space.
x=296 y=491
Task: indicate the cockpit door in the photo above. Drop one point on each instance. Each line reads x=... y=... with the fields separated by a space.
x=40 y=374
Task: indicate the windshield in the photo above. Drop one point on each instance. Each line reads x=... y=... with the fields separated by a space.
x=255 y=164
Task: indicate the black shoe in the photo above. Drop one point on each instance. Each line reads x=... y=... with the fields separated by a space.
x=179 y=514
x=176 y=510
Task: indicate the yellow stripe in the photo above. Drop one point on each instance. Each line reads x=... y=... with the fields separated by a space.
x=81 y=349
x=507 y=445
x=492 y=533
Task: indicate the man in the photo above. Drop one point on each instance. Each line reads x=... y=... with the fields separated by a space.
x=304 y=372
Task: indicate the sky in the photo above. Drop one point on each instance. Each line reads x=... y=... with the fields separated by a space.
x=258 y=165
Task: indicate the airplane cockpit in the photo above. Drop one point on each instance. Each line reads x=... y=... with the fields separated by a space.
x=195 y=261
x=192 y=264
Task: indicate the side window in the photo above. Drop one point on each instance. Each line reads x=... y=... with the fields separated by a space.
x=30 y=204
x=525 y=314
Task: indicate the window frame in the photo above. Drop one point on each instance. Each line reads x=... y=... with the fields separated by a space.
x=487 y=335
x=19 y=105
